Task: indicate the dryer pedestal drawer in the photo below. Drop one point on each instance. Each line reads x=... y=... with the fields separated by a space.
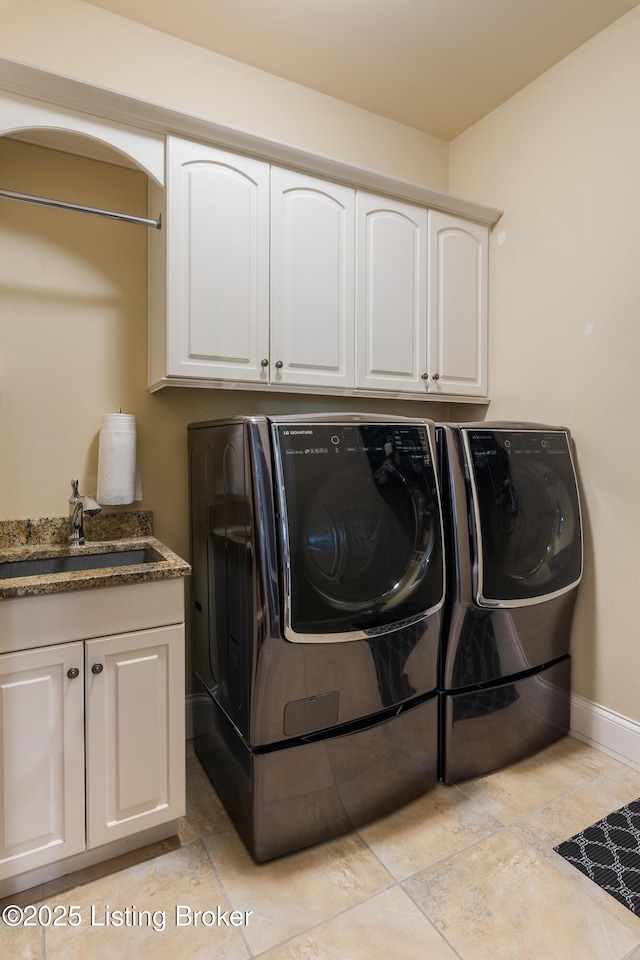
x=489 y=728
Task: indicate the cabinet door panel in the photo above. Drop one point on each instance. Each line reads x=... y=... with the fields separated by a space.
x=217 y=263
x=458 y=277
x=42 y=757
x=311 y=281
x=391 y=312
x=135 y=732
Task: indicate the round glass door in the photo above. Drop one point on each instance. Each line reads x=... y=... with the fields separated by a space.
x=527 y=509
x=361 y=528
x=365 y=541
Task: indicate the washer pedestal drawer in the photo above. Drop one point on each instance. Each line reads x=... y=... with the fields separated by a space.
x=286 y=799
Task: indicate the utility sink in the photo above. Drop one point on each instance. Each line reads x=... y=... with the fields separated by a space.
x=42 y=566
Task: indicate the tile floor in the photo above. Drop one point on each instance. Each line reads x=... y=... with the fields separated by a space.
x=463 y=872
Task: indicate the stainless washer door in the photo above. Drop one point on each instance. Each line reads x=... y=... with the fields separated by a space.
x=360 y=527
x=526 y=515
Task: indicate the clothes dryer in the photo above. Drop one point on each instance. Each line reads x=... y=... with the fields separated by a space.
x=513 y=535
x=318 y=583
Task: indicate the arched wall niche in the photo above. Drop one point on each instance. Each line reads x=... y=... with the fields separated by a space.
x=56 y=127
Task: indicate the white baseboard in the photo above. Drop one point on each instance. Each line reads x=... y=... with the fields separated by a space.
x=614 y=734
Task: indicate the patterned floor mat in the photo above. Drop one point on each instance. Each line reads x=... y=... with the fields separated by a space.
x=609 y=854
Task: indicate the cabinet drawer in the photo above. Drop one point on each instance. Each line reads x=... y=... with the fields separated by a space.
x=29 y=622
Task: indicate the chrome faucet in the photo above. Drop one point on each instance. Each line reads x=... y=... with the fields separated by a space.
x=78 y=506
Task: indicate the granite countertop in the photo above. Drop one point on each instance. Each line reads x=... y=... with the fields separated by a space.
x=46 y=538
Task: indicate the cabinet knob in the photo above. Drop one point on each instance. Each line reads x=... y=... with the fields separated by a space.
x=425 y=376
x=97 y=668
x=264 y=363
x=279 y=364
x=72 y=673
x=436 y=376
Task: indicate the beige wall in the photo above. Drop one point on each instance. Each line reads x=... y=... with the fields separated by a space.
x=77 y=40
x=562 y=158
x=73 y=345
x=73 y=308
x=73 y=289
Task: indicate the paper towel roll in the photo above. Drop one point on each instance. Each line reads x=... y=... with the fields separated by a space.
x=117 y=459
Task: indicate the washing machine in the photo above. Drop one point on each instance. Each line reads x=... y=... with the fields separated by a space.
x=513 y=534
x=317 y=588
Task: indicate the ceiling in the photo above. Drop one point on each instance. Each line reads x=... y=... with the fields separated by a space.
x=436 y=65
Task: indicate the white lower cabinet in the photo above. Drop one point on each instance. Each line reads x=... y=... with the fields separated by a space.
x=42 y=769
x=92 y=743
x=135 y=740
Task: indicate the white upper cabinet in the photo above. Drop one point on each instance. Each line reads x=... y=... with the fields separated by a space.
x=217 y=263
x=262 y=277
x=421 y=307
x=259 y=272
x=312 y=301
x=458 y=280
x=391 y=305
x=277 y=279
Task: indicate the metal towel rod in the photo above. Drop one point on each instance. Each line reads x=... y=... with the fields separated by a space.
x=10 y=195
